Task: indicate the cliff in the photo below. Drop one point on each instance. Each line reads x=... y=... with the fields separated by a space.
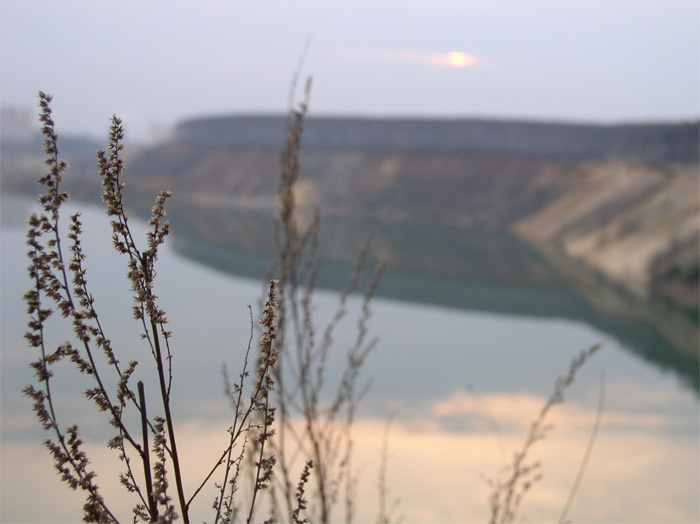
x=636 y=222
x=623 y=199
x=675 y=142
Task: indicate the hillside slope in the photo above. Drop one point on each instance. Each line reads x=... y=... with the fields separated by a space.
x=637 y=222
x=624 y=199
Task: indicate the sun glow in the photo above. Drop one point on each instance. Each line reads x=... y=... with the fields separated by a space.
x=453 y=59
x=460 y=60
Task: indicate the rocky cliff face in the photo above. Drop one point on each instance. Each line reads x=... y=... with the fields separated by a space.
x=623 y=199
x=635 y=221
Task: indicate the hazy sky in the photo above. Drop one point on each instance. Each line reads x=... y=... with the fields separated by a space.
x=155 y=62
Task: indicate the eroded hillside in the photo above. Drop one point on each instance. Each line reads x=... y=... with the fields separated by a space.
x=623 y=199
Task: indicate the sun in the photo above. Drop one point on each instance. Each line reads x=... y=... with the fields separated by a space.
x=460 y=60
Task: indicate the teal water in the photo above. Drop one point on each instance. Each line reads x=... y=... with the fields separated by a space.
x=441 y=337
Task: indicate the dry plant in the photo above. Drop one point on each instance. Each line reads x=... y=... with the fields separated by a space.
x=291 y=438
x=315 y=419
x=60 y=282
x=387 y=512
x=509 y=488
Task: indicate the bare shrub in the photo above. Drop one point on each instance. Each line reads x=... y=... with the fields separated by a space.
x=509 y=488
x=60 y=281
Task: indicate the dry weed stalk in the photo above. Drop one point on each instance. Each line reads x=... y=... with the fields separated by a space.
x=506 y=495
x=288 y=387
x=386 y=512
x=62 y=281
x=313 y=428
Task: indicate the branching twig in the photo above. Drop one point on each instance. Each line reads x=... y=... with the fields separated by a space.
x=587 y=455
x=506 y=495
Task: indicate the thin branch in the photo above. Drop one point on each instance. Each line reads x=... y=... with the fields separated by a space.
x=589 y=449
x=152 y=509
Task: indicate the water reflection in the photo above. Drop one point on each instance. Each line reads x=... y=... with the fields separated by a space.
x=444 y=438
x=449 y=443
x=468 y=269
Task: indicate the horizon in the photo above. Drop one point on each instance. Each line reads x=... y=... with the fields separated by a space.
x=418 y=117
x=369 y=117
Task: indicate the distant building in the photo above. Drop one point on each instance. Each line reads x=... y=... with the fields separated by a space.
x=16 y=124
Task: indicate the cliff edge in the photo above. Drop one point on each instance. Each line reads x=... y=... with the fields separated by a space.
x=624 y=199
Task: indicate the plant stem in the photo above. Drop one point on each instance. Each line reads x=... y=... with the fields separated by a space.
x=152 y=509
x=169 y=421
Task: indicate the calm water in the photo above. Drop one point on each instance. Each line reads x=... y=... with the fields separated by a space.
x=442 y=337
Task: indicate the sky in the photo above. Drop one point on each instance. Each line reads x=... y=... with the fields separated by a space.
x=154 y=63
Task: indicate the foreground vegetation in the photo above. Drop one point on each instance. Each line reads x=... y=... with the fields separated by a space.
x=289 y=449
